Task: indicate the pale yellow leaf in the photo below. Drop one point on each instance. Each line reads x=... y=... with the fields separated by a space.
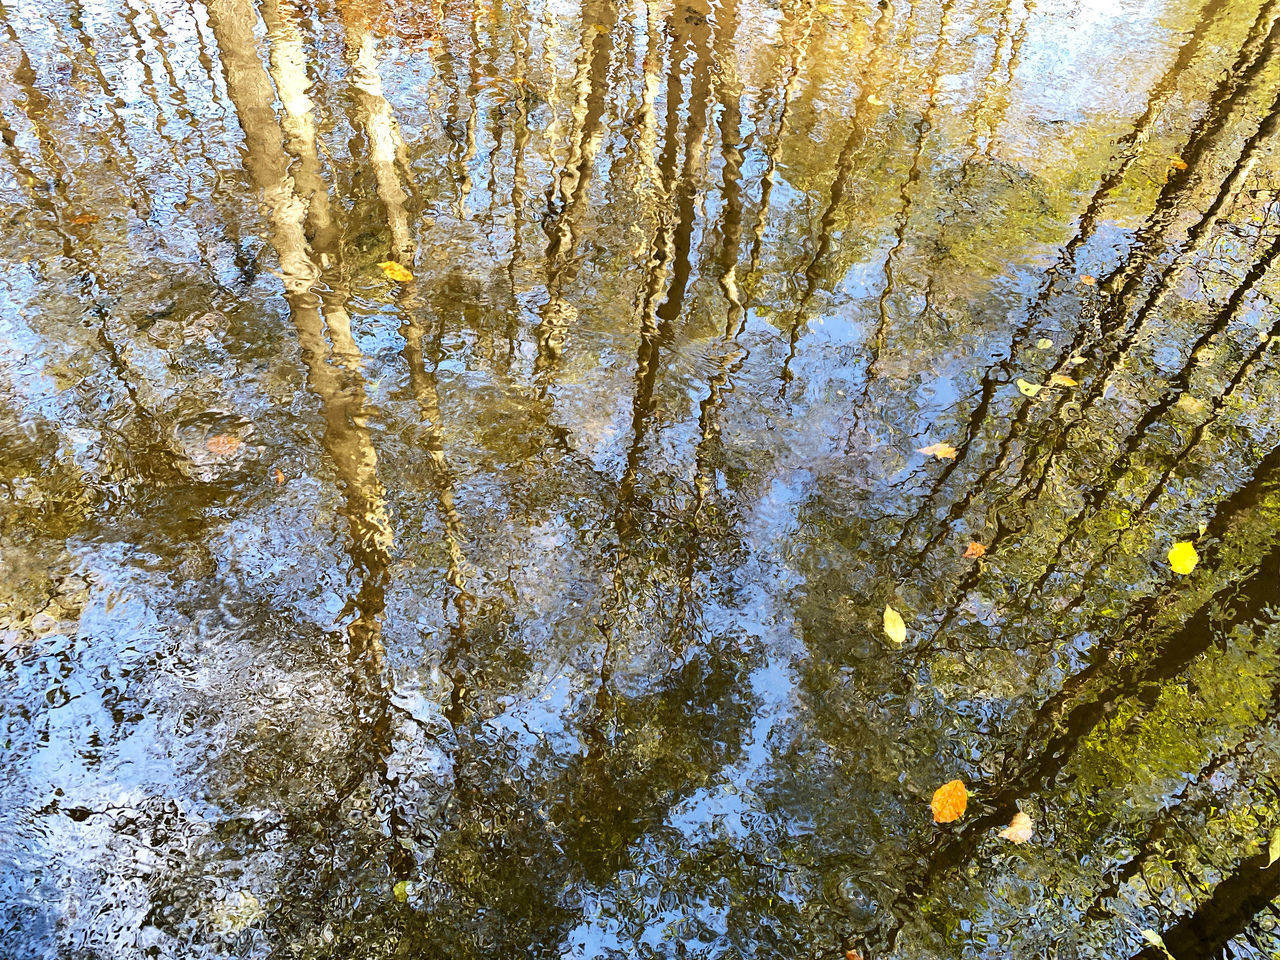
x=1019 y=828
x=894 y=626
x=1028 y=389
x=1062 y=380
x=943 y=451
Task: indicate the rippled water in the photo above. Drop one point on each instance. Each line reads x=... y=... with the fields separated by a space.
x=455 y=459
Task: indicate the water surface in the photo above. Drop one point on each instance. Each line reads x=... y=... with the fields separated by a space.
x=455 y=459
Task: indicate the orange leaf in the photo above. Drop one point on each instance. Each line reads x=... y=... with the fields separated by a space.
x=852 y=955
x=1062 y=380
x=949 y=801
x=1019 y=828
x=1177 y=164
x=1088 y=281
x=943 y=451
x=975 y=550
x=223 y=444
x=279 y=475
x=84 y=218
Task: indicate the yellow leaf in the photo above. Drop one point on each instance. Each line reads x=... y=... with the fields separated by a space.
x=1019 y=828
x=894 y=627
x=1028 y=389
x=875 y=101
x=1077 y=361
x=949 y=801
x=1183 y=557
x=1044 y=343
x=943 y=451
x=975 y=550
x=1177 y=163
x=396 y=271
x=1062 y=380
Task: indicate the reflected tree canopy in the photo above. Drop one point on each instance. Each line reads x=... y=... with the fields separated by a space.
x=456 y=458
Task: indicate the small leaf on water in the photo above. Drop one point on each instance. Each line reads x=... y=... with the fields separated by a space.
x=223 y=444
x=1044 y=343
x=875 y=101
x=1088 y=281
x=943 y=451
x=975 y=550
x=1062 y=380
x=83 y=219
x=894 y=626
x=949 y=801
x=1077 y=361
x=396 y=271
x=1156 y=941
x=1019 y=828
x=1183 y=557
x=401 y=891
x=1028 y=389
x=852 y=955
x=279 y=475
x=1273 y=848
x=1177 y=163
x=1191 y=406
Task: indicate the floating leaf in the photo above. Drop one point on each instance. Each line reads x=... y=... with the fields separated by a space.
x=84 y=218
x=1028 y=389
x=1183 y=557
x=279 y=475
x=402 y=890
x=1273 y=848
x=1156 y=941
x=223 y=444
x=1088 y=281
x=1061 y=380
x=1077 y=361
x=852 y=955
x=894 y=627
x=1019 y=828
x=943 y=451
x=1177 y=163
x=875 y=101
x=395 y=271
x=1044 y=343
x=949 y=801
x=1191 y=406
x=975 y=550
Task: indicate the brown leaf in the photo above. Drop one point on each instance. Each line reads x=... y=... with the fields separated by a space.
x=975 y=550
x=943 y=451
x=949 y=801
x=83 y=219
x=1019 y=828
x=223 y=444
x=852 y=955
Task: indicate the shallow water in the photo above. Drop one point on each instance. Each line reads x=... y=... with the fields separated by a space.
x=529 y=603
